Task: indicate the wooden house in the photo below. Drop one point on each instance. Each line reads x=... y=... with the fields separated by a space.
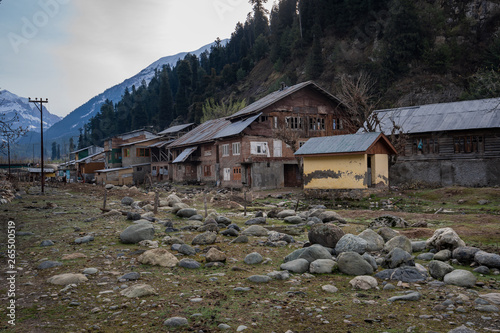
x=446 y=144
x=354 y=161
x=247 y=149
x=87 y=161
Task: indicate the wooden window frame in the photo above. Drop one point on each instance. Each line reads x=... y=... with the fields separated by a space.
x=236 y=148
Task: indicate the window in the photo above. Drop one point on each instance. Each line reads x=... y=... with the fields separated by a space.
x=468 y=144
x=139 y=169
x=126 y=152
x=277 y=148
x=293 y=122
x=207 y=170
x=301 y=143
x=227 y=174
x=263 y=119
x=237 y=173
x=259 y=148
x=143 y=152
x=236 y=148
x=275 y=122
x=225 y=150
x=335 y=124
x=425 y=146
x=316 y=124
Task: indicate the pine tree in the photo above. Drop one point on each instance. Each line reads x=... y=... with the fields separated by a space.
x=54 y=151
x=166 y=104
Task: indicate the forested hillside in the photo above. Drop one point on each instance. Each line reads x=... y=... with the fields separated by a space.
x=413 y=52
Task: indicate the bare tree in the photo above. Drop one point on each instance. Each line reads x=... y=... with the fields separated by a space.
x=9 y=133
x=358 y=96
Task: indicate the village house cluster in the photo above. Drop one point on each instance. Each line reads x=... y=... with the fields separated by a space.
x=444 y=144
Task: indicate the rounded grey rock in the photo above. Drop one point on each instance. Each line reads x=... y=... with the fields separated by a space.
x=176 y=322
x=253 y=258
x=189 y=263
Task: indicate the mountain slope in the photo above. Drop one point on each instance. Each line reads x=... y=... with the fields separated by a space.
x=70 y=125
x=29 y=115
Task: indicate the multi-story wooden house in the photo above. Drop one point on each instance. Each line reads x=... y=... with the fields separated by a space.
x=247 y=148
x=446 y=144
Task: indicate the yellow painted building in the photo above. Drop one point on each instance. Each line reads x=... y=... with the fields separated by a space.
x=355 y=161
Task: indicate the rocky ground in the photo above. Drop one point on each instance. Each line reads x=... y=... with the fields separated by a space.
x=186 y=259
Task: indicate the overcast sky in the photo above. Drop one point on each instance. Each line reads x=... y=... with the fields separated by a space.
x=71 y=50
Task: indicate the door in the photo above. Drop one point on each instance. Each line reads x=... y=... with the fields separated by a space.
x=292 y=175
x=277 y=148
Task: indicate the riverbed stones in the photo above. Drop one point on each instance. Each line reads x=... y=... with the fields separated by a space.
x=67 y=278
x=138 y=290
x=205 y=238
x=445 y=238
x=465 y=254
x=400 y=241
x=322 y=266
x=255 y=230
x=438 y=269
x=158 y=257
x=285 y=213
x=135 y=233
x=390 y=221
x=351 y=243
x=256 y=221
x=293 y=220
x=491 y=260
x=387 y=233
x=398 y=257
x=48 y=264
x=253 y=258
x=189 y=263
x=298 y=266
x=461 y=278
x=215 y=255
x=374 y=242
x=443 y=255
x=363 y=282
x=186 y=212
x=352 y=263
x=187 y=250
x=315 y=252
x=127 y=201
x=327 y=234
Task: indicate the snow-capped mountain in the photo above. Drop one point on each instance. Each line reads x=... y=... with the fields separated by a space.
x=28 y=113
x=70 y=125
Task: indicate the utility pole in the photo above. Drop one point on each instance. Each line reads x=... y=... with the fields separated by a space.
x=8 y=151
x=37 y=101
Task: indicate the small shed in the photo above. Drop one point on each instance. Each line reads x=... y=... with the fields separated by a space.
x=115 y=176
x=354 y=161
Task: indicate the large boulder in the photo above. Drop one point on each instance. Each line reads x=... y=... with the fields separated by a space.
x=351 y=243
x=158 y=257
x=404 y=274
x=327 y=234
x=465 y=254
x=363 y=282
x=390 y=221
x=438 y=269
x=330 y=216
x=138 y=290
x=445 y=238
x=205 y=238
x=322 y=266
x=68 y=278
x=214 y=255
x=374 y=242
x=399 y=241
x=461 y=278
x=256 y=221
x=293 y=220
x=490 y=260
x=398 y=257
x=137 y=232
x=315 y=252
x=298 y=266
x=186 y=212
x=387 y=233
x=173 y=199
x=127 y=201
x=255 y=230
x=353 y=263
x=285 y=213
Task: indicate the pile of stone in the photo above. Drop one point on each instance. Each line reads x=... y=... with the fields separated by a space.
x=388 y=255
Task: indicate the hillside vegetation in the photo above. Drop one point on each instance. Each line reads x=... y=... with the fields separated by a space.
x=416 y=52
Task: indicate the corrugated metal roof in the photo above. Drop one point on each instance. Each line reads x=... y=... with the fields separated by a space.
x=175 y=129
x=203 y=133
x=185 y=154
x=89 y=157
x=114 y=169
x=160 y=144
x=236 y=127
x=349 y=143
x=278 y=95
x=137 y=142
x=476 y=114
